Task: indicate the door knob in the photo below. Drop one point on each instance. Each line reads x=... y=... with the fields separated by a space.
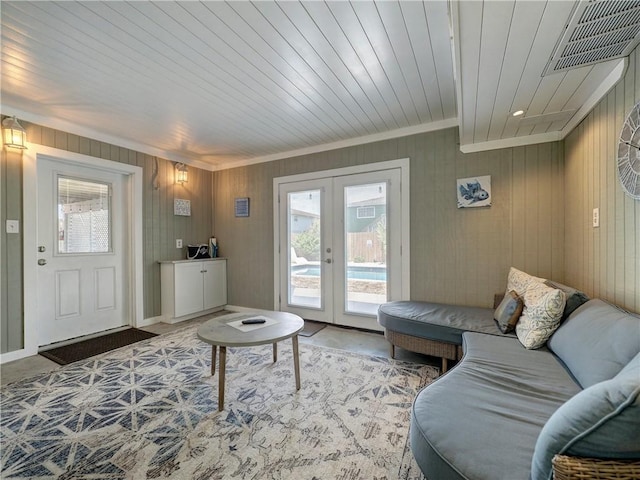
x=42 y=261
x=328 y=260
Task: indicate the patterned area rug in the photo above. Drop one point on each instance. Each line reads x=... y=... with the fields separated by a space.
x=149 y=410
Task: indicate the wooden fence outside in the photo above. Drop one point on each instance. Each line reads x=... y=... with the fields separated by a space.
x=365 y=247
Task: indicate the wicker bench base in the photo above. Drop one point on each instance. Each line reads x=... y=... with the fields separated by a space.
x=446 y=351
x=574 y=468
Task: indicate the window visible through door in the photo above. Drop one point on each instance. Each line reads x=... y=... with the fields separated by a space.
x=365 y=241
x=84 y=216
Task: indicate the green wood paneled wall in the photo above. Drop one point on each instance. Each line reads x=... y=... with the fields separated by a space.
x=11 y=331
x=457 y=255
x=160 y=228
x=603 y=261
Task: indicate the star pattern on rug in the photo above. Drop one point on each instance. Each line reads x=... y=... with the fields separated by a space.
x=150 y=411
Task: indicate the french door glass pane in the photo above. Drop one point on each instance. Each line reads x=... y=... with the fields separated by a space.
x=84 y=216
x=304 y=242
x=365 y=247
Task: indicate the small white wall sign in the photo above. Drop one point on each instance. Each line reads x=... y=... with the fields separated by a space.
x=182 y=207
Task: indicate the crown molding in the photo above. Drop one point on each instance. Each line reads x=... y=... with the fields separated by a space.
x=75 y=129
x=376 y=137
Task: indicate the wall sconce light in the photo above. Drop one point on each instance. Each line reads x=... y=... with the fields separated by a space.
x=182 y=175
x=13 y=134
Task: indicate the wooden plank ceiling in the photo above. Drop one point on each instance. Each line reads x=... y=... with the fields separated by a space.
x=219 y=84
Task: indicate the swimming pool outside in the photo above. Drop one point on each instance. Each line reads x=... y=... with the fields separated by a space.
x=354 y=272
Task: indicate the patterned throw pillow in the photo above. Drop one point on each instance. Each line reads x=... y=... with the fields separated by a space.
x=508 y=312
x=518 y=281
x=575 y=298
x=543 y=307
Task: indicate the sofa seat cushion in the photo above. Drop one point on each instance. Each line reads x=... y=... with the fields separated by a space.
x=481 y=420
x=597 y=341
x=436 y=321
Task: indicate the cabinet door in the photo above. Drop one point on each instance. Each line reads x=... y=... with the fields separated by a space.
x=215 y=284
x=188 y=285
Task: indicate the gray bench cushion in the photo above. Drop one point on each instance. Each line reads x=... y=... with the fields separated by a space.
x=596 y=341
x=436 y=321
x=494 y=403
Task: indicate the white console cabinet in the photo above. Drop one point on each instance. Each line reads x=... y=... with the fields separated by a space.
x=192 y=287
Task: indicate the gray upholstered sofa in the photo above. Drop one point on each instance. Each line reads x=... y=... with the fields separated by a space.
x=506 y=412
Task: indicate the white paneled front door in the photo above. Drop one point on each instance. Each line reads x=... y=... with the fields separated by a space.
x=81 y=232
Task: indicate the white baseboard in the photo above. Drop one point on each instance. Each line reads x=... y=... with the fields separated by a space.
x=237 y=308
x=16 y=355
x=145 y=322
x=171 y=321
x=24 y=352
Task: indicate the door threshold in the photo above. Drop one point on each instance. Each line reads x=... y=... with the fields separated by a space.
x=347 y=327
x=62 y=343
x=359 y=329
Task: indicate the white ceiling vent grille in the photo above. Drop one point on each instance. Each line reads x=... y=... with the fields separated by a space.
x=599 y=30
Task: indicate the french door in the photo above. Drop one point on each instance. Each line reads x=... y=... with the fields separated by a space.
x=340 y=243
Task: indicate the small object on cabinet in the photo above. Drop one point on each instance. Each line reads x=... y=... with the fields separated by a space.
x=197 y=251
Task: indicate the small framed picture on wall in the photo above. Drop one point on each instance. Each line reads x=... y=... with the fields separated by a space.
x=182 y=207
x=242 y=207
x=474 y=191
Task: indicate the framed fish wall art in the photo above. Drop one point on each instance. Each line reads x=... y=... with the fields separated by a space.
x=474 y=191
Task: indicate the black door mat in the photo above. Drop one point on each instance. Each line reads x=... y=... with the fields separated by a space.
x=95 y=346
x=311 y=328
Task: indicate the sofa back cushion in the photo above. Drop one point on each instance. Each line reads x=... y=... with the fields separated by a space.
x=596 y=341
x=601 y=421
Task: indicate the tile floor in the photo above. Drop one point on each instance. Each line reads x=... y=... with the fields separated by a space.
x=343 y=338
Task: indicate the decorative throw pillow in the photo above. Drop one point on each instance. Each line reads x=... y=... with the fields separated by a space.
x=601 y=421
x=543 y=307
x=508 y=312
x=575 y=298
x=518 y=281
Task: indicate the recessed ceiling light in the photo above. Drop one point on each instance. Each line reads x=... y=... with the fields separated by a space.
x=517 y=113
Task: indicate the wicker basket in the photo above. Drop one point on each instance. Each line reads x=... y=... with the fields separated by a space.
x=578 y=468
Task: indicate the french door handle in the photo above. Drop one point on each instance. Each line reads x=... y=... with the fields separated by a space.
x=328 y=260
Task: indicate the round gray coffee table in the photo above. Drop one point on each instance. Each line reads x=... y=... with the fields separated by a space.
x=228 y=331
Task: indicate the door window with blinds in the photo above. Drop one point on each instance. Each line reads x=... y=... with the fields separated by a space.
x=84 y=216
